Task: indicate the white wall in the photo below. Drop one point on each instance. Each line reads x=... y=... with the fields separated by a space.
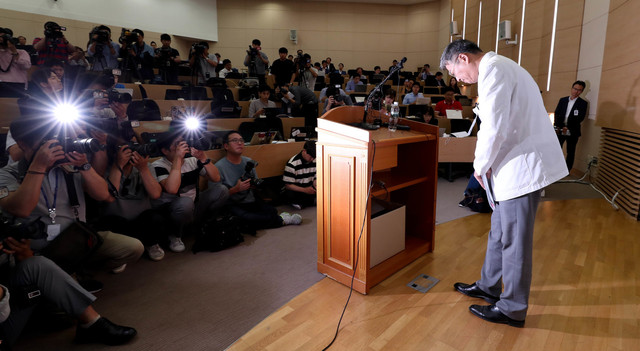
x=188 y=18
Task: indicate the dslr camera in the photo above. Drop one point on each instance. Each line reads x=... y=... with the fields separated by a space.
x=202 y=143
x=6 y=38
x=249 y=175
x=52 y=30
x=128 y=37
x=81 y=145
x=198 y=49
x=252 y=51
x=113 y=96
x=98 y=35
x=148 y=149
x=9 y=227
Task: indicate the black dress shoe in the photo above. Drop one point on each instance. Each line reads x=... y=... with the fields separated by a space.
x=105 y=332
x=492 y=314
x=473 y=290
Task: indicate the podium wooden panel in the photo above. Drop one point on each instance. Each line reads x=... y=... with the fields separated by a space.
x=347 y=159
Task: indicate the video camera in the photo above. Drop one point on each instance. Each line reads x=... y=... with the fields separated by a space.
x=128 y=37
x=113 y=96
x=248 y=175
x=6 y=37
x=52 y=30
x=100 y=36
x=148 y=149
x=253 y=51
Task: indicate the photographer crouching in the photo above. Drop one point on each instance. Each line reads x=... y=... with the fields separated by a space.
x=257 y=61
x=239 y=175
x=167 y=60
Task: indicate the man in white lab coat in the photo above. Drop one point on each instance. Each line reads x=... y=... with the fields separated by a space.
x=516 y=156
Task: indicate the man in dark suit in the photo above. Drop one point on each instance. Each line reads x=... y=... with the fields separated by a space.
x=440 y=82
x=570 y=112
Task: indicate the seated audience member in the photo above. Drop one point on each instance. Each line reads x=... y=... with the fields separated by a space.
x=14 y=63
x=300 y=177
x=226 y=63
x=439 y=79
x=377 y=70
x=453 y=84
x=203 y=64
x=79 y=59
x=430 y=116
x=360 y=71
x=389 y=97
x=449 y=103
x=22 y=45
x=104 y=51
x=330 y=67
x=256 y=108
x=54 y=45
x=351 y=85
x=325 y=67
x=282 y=68
x=237 y=177
x=346 y=98
x=341 y=70
x=319 y=68
x=334 y=99
x=128 y=209
x=426 y=71
x=55 y=286
x=37 y=187
x=410 y=99
x=57 y=67
x=179 y=177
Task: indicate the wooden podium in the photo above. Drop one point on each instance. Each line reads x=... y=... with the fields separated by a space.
x=347 y=158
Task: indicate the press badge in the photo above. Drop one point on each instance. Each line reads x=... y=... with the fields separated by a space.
x=575 y=112
x=53 y=230
x=4 y=192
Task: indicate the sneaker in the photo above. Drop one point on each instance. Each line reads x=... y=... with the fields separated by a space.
x=289 y=219
x=119 y=270
x=296 y=206
x=90 y=285
x=103 y=331
x=176 y=244
x=155 y=252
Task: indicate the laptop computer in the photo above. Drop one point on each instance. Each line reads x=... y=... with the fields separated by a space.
x=423 y=101
x=361 y=88
x=260 y=138
x=272 y=111
x=454 y=114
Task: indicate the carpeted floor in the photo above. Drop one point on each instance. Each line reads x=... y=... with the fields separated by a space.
x=208 y=300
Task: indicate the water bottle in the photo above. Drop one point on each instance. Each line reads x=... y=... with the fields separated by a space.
x=393 y=119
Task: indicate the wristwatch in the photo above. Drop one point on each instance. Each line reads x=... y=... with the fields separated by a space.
x=85 y=167
x=202 y=164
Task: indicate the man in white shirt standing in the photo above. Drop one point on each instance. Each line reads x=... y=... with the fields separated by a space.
x=516 y=156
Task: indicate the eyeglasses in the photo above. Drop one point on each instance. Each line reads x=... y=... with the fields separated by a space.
x=237 y=140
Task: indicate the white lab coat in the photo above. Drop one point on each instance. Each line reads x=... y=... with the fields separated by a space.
x=516 y=139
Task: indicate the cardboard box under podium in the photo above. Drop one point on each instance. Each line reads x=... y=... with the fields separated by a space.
x=387 y=230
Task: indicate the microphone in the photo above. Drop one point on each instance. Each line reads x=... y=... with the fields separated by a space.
x=401 y=64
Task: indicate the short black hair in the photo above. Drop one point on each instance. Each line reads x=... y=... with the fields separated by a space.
x=225 y=138
x=103 y=27
x=165 y=36
x=138 y=31
x=256 y=42
x=579 y=82
x=455 y=48
x=415 y=84
x=264 y=88
x=438 y=74
x=167 y=138
x=204 y=43
x=225 y=61
x=283 y=50
x=446 y=90
x=310 y=147
x=31 y=128
x=376 y=67
x=50 y=62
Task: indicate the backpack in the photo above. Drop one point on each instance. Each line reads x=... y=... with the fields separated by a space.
x=144 y=110
x=218 y=233
x=475 y=197
x=223 y=104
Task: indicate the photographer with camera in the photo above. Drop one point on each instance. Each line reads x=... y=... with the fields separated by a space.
x=202 y=63
x=178 y=172
x=167 y=60
x=42 y=185
x=238 y=173
x=334 y=99
x=54 y=45
x=137 y=56
x=257 y=61
x=14 y=63
x=305 y=73
x=103 y=50
x=298 y=101
x=300 y=177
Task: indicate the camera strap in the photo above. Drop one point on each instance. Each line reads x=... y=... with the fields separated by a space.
x=4 y=70
x=73 y=195
x=52 y=207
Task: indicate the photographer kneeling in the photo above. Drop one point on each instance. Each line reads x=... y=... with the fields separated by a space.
x=179 y=176
x=334 y=99
x=239 y=175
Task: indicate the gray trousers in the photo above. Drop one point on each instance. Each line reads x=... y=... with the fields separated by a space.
x=55 y=286
x=183 y=210
x=509 y=254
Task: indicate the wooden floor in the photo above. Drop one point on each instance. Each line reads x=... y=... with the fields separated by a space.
x=585 y=294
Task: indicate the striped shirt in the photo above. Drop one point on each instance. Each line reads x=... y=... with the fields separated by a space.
x=190 y=177
x=299 y=172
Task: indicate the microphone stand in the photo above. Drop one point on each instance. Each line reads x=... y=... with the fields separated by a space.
x=364 y=124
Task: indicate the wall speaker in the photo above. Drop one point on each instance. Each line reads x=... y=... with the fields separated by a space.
x=504 y=30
